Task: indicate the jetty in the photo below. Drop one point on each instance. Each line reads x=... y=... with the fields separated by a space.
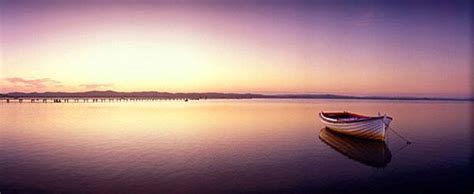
x=113 y=96
x=88 y=100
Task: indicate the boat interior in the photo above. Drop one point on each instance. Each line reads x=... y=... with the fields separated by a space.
x=342 y=115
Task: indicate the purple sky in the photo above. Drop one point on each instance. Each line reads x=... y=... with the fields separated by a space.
x=384 y=48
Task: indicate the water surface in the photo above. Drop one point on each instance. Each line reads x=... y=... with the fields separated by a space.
x=227 y=146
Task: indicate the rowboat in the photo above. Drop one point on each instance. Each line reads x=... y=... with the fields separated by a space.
x=356 y=125
x=365 y=151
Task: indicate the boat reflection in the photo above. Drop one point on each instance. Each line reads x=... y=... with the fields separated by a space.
x=368 y=152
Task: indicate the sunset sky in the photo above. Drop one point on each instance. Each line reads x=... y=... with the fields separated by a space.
x=389 y=49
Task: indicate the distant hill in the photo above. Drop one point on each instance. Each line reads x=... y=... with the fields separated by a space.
x=208 y=95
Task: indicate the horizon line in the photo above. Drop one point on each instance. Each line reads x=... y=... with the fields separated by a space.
x=245 y=95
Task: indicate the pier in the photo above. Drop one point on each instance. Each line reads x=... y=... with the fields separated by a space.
x=39 y=100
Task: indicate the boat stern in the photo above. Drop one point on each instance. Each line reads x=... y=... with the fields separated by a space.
x=387 y=120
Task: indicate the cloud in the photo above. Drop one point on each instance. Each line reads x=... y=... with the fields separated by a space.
x=96 y=86
x=35 y=83
x=18 y=84
x=28 y=85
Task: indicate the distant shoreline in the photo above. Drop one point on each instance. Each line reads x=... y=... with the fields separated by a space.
x=209 y=95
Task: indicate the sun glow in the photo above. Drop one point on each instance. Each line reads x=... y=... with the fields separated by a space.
x=127 y=61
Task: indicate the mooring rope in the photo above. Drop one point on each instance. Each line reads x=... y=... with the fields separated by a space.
x=396 y=133
x=400 y=149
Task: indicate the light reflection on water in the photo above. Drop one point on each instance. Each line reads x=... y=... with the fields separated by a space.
x=224 y=146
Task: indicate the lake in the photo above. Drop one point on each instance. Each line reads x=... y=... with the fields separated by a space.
x=231 y=146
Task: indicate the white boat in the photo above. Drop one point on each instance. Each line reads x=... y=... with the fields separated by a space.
x=357 y=125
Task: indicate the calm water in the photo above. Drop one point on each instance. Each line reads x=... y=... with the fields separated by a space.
x=227 y=146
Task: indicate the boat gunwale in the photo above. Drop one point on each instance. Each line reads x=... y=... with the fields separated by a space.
x=362 y=119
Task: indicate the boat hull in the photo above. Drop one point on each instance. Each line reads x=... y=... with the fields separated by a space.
x=373 y=128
